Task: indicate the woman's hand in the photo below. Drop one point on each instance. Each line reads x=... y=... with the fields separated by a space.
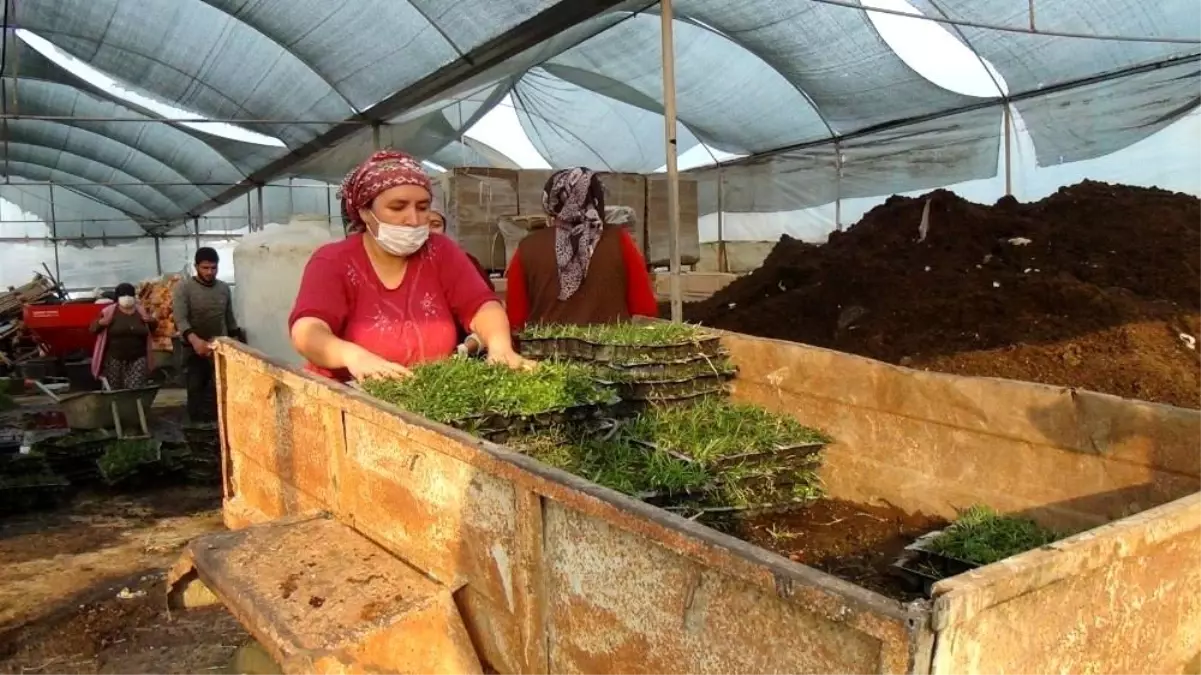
x=511 y=359
x=363 y=365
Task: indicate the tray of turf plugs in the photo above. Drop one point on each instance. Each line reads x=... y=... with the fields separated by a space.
x=489 y=399
x=671 y=381
x=671 y=457
x=28 y=483
x=622 y=343
x=137 y=463
x=73 y=455
x=979 y=536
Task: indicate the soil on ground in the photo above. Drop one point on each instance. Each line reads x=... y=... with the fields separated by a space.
x=1097 y=286
x=854 y=542
x=82 y=588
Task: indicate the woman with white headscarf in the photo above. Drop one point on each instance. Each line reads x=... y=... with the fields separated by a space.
x=580 y=270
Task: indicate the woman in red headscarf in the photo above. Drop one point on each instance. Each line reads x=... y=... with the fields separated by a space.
x=390 y=295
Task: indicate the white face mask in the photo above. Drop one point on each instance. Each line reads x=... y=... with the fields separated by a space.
x=126 y=301
x=401 y=240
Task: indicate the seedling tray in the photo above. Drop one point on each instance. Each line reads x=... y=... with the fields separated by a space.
x=922 y=568
x=48 y=494
x=670 y=390
x=494 y=425
x=671 y=370
x=576 y=349
x=783 y=456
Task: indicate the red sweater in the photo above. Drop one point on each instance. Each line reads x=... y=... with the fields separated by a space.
x=640 y=292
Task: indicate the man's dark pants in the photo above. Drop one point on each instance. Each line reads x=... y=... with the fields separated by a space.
x=201 y=384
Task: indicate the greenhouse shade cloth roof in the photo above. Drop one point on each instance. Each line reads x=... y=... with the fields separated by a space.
x=775 y=79
x=298 y=66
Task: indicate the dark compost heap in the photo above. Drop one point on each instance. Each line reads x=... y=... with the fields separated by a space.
x=1091 y=287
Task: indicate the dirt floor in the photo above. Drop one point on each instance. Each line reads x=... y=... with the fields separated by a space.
x=854 y=542
x=1097 y=286
x=81 y=588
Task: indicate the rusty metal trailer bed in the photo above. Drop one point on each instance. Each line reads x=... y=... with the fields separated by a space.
x=531 y=570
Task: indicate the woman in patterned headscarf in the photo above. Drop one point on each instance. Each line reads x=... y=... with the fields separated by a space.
x=580 y=270
x=390 y=294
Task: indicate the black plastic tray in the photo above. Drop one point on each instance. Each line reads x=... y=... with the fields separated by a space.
x=670 y=390
x=922 y=568
x=494 y=425
x=24 y=498
x=577 y=349
x=672 y=370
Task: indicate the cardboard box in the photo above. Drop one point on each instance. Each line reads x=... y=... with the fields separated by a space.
x=474 y=200
x=658 y=233
x=529 y=190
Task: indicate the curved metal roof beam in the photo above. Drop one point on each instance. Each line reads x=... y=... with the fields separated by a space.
x=23 y=185
x=46 y=174
x=23 y=84
x=303 y=61
x=15 y=134
x=129 y=183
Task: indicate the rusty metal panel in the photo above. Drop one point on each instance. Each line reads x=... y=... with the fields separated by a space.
x=933 y=442
x=618 y=604
x=280 y=444
x=1122 y=598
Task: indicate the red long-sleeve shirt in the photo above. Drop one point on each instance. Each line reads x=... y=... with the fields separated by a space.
x=640 y=292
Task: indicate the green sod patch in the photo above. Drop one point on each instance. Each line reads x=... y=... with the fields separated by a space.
x=459 y=388
x=629 y=334
x=982 y=536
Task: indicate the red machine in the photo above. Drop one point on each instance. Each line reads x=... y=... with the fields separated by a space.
x=63 y=329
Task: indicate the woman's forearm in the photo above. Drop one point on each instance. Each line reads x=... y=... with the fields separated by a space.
x=492 y=325
x=318 y=344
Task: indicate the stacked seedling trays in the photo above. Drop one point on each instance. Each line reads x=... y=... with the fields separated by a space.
x=141 y=463
x=27 y=483
x=73 y=455
x=759 y=461
x=644 y=363
x=202 y=460
x=494 y=401
x=713 y=459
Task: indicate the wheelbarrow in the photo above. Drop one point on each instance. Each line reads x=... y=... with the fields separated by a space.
x=107 y=409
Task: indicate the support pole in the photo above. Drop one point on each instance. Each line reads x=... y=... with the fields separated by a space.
x=673 y=173
x=158 y=255
x=196 y=230
x=375 y=141
x=258 y=193
x=837 y=186
x=723 y=263
x=1007 y=120
x=58 y=273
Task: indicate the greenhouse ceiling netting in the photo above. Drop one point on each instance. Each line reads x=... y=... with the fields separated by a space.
x=811 y=80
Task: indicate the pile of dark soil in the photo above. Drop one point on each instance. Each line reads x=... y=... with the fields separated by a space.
x=1091 y=287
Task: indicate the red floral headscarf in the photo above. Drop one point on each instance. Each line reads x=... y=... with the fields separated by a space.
x=383 y=170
